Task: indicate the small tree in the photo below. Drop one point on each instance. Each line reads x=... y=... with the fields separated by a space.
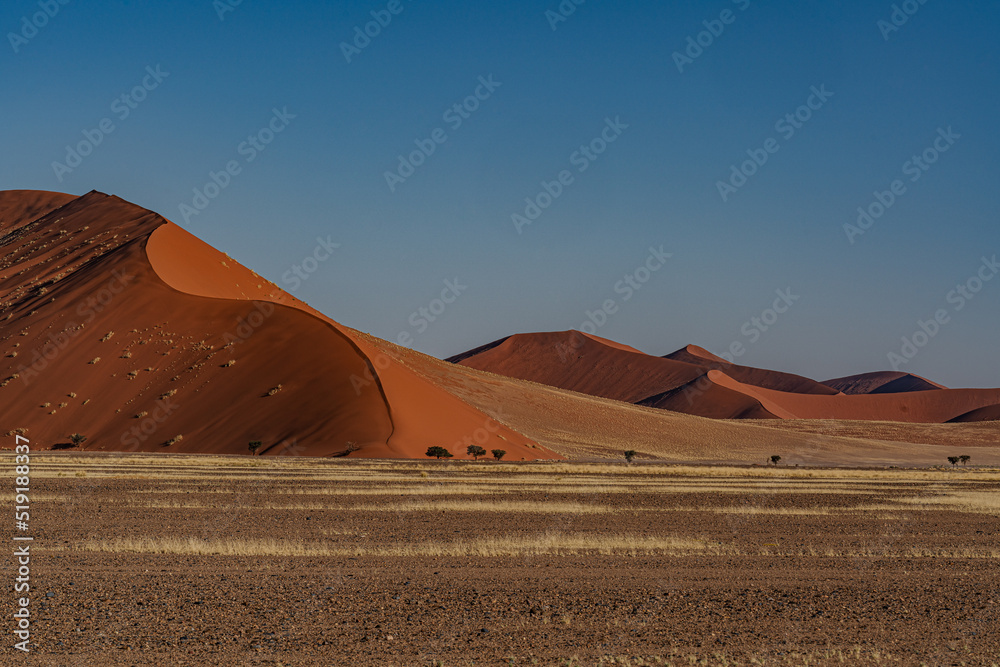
x=498 y=453
x=629 y=455
x=77 y=439
x=964 y=458
x=953 y=460
x=254 y=446
x=475 y=451
x=774 y=459
x=439 y=452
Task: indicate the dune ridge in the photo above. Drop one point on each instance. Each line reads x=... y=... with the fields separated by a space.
x=694 y=381
x=141 y=336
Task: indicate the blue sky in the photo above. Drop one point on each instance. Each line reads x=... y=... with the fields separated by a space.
x=888 y=95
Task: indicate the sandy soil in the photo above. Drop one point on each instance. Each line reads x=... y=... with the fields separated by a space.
x=486 y=564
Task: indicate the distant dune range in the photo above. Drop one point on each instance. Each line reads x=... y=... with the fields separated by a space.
x=694 y=381
x=119 y=325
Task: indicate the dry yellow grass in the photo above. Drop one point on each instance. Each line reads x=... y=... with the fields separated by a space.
x=547 y=544
x=975 y=502
x=532 y=545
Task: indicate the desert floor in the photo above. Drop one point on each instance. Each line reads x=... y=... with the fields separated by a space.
x=197 y=560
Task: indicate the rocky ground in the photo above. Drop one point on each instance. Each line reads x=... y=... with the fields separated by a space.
x=573 y=565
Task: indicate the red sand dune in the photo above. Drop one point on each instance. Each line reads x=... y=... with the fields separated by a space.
x=931 y=406
x=582 y=363
x=19 y=207
x=989 y=413
x=694 y=381
x=882 y=382
x=758 y=377
x=591 y=365
x=123 y=327
x=706 y=398
x=596 y=366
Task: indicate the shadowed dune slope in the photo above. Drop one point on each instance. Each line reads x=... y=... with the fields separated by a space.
x=123 y=327
x=881 y=382
x=758 y=377
x=19 y=207
x=988 y=413
x=582 y=363
x=930 y=406
x=706 y=398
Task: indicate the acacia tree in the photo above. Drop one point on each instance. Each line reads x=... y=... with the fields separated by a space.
x=953 y=460
x=774 y=459
x=77 y=439
x=629 y=455
x=498 y=453
x=439 y=452
x=475 y=451
x=964 y=458
x=254 y=446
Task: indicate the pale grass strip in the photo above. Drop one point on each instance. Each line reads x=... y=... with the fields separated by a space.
x=440 y=488
x=532 y=545
x=504 y=506
x=511 y=546
x=972 y=502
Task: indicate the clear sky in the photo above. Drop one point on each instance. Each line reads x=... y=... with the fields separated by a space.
x=664 y=98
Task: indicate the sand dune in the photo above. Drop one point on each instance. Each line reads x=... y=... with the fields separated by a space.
x=694 y=381
x=121 y=326
x=930 y=406
x=19 y=207
x=582 y=363
x=882 y=382
x=758 y=377
x=124 y=327
x=988 y=413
